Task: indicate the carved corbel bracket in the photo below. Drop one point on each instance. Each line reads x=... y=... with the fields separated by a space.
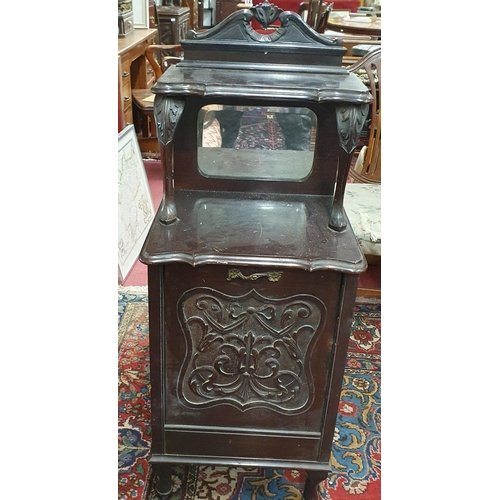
x=350 y=120
x=167 y=111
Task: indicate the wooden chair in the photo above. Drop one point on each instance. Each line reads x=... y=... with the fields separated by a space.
x=368 y=168
x=362 y=199
x=160 y=57
x=315 y=13
x=353 y=45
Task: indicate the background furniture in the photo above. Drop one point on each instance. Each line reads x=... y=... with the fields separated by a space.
x=315 y=13
x=125 y=18
x=357 y=47
x=368 y=69
x=224 y=8
x=153 y=16
x=195 y=13
x=133 y=69
x=173 y=23
x=363 y=195
x=160 y=57
x=207 y=13
x=252 y=276
x=352 y=27
x=293 y=5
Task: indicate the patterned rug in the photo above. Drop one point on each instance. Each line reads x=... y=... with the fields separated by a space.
x=355 y=456
x=262 y=130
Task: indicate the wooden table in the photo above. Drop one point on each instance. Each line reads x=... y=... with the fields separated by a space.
x=356 y=28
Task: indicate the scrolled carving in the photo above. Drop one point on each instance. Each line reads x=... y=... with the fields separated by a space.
x=350 y=120
x=167 y=111
x=249 y=350
x=270 y=275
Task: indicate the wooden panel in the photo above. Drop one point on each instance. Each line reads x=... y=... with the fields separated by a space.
x=300 y=350
x=174 y=23
x=193 y=13
x=126 y=90
x=152 y=14
x=224 y=8
x=248 y=445
x=125 y=45
x=121 y=122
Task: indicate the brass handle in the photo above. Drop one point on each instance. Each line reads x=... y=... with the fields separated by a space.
x=126 y=99
x=125 y=74
x=232 y=274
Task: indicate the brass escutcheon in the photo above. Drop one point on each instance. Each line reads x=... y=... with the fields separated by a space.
x=232 y=274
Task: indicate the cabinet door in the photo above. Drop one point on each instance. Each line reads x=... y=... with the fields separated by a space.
x=247 y=352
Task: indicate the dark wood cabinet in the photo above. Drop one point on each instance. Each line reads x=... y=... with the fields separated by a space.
x=173 y=23
x=252 y=264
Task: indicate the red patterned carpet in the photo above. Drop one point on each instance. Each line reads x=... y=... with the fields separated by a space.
x=355 y=456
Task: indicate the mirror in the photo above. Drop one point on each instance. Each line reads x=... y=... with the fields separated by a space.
x=260 y=143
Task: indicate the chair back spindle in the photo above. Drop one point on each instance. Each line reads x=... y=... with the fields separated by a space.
x=368 y=166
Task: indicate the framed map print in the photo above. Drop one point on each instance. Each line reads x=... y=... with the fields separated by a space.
x=135 y=204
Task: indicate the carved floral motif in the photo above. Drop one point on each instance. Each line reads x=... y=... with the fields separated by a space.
x=350 y=120
x=248 y=351
x=167 y=111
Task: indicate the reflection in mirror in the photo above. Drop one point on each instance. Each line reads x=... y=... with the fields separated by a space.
x=264 y=143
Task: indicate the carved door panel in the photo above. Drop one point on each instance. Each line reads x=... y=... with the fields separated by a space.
x=249 y=350
x=253 y=350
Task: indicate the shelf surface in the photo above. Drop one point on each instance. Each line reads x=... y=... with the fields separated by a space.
x=253 y=229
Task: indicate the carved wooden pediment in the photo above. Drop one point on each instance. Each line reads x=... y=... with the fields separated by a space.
x=235 y=40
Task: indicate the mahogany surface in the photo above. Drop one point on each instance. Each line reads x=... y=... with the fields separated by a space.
x=252 y=281
x=252 y=228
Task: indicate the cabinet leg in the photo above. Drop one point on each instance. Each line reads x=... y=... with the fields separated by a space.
x=312 y=483
x=164 y=482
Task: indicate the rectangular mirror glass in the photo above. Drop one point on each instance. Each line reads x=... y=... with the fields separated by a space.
x=261 y=143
